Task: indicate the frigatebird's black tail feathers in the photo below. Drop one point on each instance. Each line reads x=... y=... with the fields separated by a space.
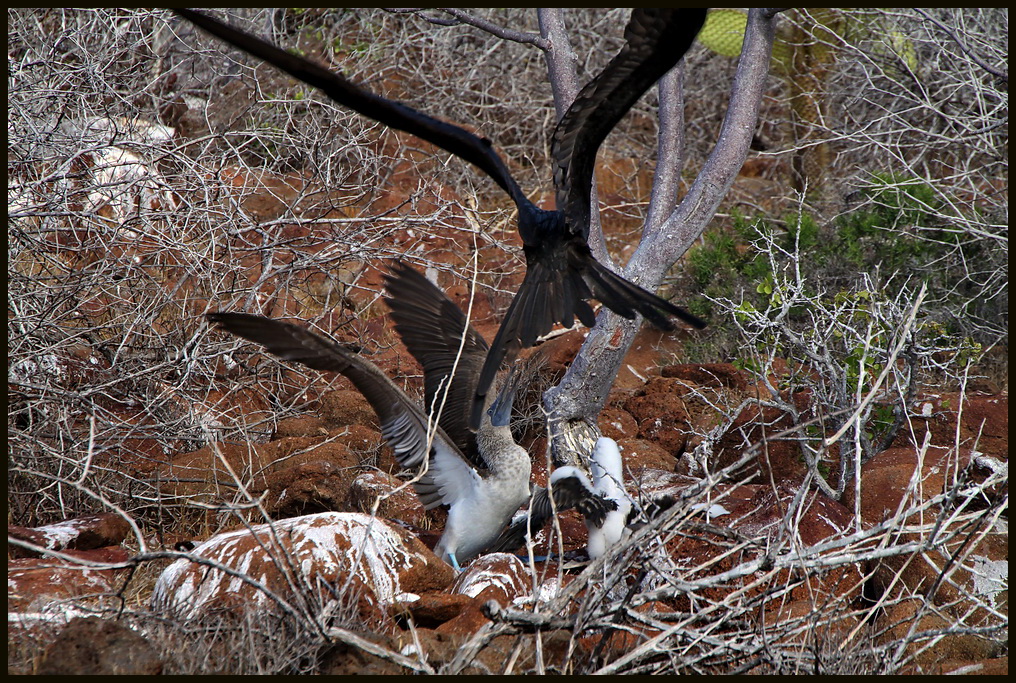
x=626 y=298
x=549 y=295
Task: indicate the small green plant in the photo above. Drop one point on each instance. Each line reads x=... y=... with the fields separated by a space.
x=896 y=234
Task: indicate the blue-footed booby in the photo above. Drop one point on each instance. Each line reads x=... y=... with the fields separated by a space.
x=561 y=271
x=482 y=477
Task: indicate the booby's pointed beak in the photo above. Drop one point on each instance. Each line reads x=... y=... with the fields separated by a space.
x=500 y=410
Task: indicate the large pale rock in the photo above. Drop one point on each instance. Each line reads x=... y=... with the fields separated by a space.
x=394 y=498
x=340 y=558
x=501 y=577
x=498 y=576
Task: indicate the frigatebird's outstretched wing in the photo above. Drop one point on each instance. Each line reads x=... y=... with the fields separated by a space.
x=560 y=269
x=448 y=136
x=656 y=40
x=561 y=272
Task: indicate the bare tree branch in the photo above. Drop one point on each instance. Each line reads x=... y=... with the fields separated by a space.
x=582 y=392
x=997 y=73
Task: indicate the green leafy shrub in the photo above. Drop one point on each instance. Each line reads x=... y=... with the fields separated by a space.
x=858 y=311
x=898 y=232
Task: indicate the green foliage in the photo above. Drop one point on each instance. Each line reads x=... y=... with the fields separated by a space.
x=880 y=422
x=358 y=47
x=896 y=230
x=897 y=234
x=726 y=258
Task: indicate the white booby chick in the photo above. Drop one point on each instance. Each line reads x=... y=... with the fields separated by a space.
x=599 y=495
x=607 y=528
x=608 y=482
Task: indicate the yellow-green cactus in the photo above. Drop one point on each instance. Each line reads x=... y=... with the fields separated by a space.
x=723 y=32
x=803 y=54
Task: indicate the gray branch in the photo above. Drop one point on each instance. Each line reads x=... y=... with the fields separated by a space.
x=562 y=69
x=580 y=395
x=463 y=17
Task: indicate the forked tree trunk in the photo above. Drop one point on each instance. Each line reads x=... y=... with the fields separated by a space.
x=574 y=404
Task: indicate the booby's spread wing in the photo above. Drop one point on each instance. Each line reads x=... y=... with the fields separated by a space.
x=439 y=337
x=449 y=476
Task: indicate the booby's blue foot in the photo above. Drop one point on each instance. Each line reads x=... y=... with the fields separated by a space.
x=454 y=563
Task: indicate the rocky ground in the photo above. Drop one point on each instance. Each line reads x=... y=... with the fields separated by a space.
x=350 y=543
x=748 y=569
x=766 y=572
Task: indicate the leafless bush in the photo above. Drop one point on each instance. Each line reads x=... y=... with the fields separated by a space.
x=857 y=356
x=123 y=231
x=905 y=98
x=268 y=198
x=769 y=603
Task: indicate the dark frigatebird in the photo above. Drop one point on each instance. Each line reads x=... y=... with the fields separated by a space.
x=561 y=271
